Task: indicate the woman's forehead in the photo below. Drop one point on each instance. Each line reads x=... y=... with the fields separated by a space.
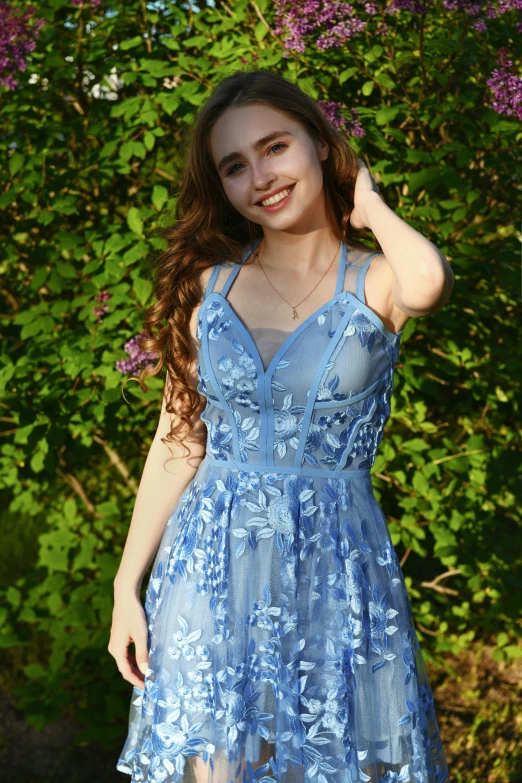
x=247 y=127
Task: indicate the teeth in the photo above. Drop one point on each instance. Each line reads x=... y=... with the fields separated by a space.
x=275 y=199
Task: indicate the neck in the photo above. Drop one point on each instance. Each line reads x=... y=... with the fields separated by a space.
x=299 y=255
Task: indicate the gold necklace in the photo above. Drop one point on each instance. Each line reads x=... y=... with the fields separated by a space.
x=295 y=314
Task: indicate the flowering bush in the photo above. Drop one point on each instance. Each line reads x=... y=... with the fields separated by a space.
x=95 y=103
x=18 y=34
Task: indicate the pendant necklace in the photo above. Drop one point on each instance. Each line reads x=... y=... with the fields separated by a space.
x=295 y=313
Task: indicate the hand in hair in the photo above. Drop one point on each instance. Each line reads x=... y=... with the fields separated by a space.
x=365 y=188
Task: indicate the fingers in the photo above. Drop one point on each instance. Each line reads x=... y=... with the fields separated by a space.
x=142 y=656
x=127 y=666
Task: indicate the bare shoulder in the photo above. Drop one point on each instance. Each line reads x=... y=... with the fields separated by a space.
x=204 y=276
x=191 y=368
x=378 y=289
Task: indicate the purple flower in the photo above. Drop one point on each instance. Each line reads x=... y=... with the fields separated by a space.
x=99 y=311
x=253 y=61
x=484 y=8
x=334 y=20
x=506 y=87
x=137 y=357
x=506 y=5
x=470 y=7
x=414 y=6
x=18 y=34
x=332 y=112
x=81 y=3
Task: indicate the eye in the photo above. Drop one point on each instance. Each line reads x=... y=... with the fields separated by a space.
x=277 y=144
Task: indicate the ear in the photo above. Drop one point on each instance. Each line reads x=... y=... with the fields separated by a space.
x=324 y=149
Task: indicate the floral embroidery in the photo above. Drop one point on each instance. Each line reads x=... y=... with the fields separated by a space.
x=277 y=614
x=287 y=426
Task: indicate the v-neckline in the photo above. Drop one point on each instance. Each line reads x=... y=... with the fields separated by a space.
x=282 y=350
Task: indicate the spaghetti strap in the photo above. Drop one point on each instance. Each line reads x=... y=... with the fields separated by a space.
x=359 y=291
x=235 y=271
x=342 y=264
x=212 y=281
x=341 y=269
x=228 y=282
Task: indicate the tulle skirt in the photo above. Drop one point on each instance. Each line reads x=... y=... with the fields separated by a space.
x=281 y=641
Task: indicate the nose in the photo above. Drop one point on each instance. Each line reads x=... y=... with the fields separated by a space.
x=262 y=176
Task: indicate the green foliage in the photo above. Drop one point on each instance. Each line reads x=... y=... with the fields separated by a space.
x=93 y=149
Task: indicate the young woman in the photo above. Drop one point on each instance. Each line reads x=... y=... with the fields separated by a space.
x=277 y=640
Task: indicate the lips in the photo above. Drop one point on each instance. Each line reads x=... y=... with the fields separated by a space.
x=274 y=193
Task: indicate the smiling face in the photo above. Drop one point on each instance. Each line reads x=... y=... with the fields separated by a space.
x=259 y=150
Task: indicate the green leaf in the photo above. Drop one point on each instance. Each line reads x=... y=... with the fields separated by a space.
x=386 y=114
x=157 y=68
x=142 y=289
x=196 y=40
x=66 y=270
x=428 y=177
x=169 y=101
x=35 y=671
x=260 y=31
x=384 y=80
x=418 y=156
x=139 y=149
x=134 y=221
x=367 y=88
x=54 y=549
x=137 y=252
x=131 y=43
x=309 y=86
x=16 y=161
x=108 y=148
x=347 y=74
x=149 y=140
x=159 y=196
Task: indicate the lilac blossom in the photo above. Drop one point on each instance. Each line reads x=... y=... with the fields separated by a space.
x=82 y=3
x=506 y=87
x=99 y=311
x=334 y=20
x=138 y=359
x=414 y=6
x=332 y=112
x=484 y=10
x=470 y=7
x=253 y=61
x=18 y=34
x=381 y=29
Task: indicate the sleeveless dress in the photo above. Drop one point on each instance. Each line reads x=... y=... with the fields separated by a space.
x=280 y=631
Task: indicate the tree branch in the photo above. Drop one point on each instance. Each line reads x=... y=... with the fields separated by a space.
x=118 y=463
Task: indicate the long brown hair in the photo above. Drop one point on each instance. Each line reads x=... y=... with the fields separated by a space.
x=207 y=229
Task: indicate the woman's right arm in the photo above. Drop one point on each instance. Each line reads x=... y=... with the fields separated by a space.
x=161 y=487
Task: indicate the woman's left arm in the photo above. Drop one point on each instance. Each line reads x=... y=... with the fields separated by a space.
x=422 y=278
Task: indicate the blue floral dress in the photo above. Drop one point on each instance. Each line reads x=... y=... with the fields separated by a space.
x=281 y=639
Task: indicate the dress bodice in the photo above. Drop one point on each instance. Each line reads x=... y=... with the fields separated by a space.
x=268 y=341
x=321 y=401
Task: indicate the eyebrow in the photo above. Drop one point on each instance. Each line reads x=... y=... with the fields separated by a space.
x=255 y=146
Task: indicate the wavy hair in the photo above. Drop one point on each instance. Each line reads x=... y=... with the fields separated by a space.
x=207 y=229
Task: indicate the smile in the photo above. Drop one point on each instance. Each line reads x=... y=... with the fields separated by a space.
x=278 y=201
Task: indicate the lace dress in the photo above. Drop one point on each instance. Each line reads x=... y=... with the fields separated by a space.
x=281 y=639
